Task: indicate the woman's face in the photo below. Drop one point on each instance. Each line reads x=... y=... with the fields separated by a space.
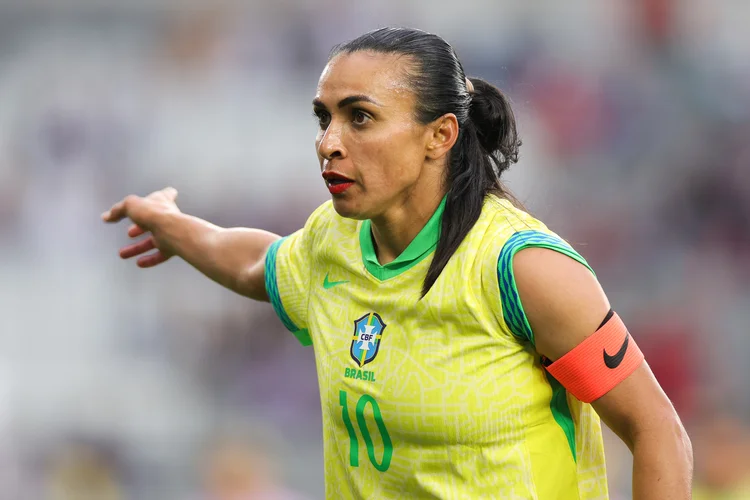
x=371 y=149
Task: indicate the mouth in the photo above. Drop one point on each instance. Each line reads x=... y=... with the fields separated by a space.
x=337 y=183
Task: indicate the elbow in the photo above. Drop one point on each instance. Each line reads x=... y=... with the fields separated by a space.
x=682 y=439
x=668 y=434
x=687 y=446
x=683 y=450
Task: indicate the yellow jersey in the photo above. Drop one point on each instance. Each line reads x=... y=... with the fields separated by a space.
x=436 y=397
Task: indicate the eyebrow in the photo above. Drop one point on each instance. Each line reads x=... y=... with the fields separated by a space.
x=346 y=101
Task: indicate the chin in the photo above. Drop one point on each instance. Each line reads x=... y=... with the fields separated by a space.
x=348 y=208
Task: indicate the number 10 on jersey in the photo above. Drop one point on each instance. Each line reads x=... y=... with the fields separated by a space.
x=366 y=399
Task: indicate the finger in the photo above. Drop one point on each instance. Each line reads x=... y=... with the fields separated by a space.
x=137 y=248
x=151 y=260
x=119 y=210
x=171 y=193
x=135 y=230
x=116 y=213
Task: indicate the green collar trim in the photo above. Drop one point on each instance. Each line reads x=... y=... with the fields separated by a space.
x=420 y=247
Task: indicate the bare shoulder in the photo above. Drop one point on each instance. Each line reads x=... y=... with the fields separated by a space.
x=563 y=301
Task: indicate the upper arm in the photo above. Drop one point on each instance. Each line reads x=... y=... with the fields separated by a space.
x=564 y=304
x=253 y=280
x=562 y=299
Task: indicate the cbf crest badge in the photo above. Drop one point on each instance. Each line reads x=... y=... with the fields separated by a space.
x=368 y=333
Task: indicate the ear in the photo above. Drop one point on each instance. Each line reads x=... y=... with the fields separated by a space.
x=443 y=134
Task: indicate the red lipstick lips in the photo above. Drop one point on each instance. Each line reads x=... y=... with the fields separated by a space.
x=336 y=182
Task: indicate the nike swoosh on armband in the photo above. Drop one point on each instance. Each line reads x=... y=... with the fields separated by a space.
x=613 y=362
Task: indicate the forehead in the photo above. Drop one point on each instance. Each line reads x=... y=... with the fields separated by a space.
x=380 y=76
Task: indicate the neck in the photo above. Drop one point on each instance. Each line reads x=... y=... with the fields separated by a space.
x=399 y=225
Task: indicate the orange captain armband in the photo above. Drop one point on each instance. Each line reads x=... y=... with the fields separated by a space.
x=599 y=363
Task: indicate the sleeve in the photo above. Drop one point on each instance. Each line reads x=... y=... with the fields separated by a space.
x=288 y=265
x=513 y=312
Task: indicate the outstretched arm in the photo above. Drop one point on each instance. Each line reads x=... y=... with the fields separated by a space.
x=565 y=304
x=234 y=258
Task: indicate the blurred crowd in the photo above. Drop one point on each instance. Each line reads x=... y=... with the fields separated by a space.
x=118 y=383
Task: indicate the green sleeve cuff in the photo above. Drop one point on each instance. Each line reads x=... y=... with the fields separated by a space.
x=272 y=289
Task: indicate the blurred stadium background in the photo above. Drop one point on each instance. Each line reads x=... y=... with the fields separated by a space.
x=117 y=383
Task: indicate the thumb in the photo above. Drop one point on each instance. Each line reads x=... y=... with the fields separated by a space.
x=171 y=193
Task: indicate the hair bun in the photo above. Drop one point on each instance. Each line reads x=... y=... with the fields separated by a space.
x=495 y=125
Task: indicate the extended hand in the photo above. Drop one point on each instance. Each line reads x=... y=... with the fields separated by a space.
x=146 y=213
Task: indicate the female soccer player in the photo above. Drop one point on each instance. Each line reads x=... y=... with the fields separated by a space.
x=463 y=349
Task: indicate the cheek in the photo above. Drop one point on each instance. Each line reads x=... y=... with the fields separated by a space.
x=402 y=162
x=384 y=167
x=398 y=160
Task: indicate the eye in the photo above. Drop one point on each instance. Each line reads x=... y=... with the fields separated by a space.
x=323 y=117
x=360 y=117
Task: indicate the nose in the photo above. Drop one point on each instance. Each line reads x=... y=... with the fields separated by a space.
x=331 y=144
